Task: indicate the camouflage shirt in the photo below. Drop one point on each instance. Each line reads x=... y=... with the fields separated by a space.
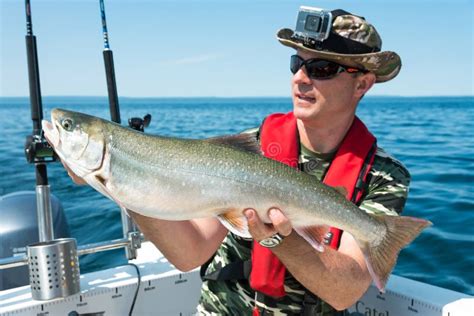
x=387 y=191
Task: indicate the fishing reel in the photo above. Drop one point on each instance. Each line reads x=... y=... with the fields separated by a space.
x=138 y=123
x=37 y=149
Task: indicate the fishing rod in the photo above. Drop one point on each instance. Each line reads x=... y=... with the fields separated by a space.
x=37 y=149
x=129 y=229
x=109 y=70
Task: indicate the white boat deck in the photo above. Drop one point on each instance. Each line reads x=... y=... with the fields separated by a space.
x=166 y=291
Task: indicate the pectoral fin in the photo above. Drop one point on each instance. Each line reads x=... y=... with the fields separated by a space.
x=236 y=222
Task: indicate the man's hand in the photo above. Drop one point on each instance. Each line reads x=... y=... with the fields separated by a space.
x=75 y=178
x=339 y=277
x=259 y=230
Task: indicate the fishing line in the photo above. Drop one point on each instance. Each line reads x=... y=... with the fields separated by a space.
x=139 y=277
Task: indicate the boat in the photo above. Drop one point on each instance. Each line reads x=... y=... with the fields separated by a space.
x=148 y=284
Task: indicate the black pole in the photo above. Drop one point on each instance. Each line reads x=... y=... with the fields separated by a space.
x=33 y=73
x=111 y=86
x=110 y=70
x=36 y=149
x=36 y=103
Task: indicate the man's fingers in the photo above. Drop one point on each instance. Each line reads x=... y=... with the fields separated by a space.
x=281 y=223
x=258 y=229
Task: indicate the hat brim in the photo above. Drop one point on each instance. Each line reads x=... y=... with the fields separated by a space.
x=385 y=65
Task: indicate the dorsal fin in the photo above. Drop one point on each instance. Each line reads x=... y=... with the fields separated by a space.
x=245 y=142
x=341 y=190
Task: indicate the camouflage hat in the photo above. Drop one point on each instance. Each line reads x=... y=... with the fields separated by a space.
x=353 y=42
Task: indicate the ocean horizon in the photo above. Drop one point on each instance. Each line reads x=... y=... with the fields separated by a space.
x=104 y=97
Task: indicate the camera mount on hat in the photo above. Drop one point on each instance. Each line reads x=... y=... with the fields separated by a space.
x=313 y=25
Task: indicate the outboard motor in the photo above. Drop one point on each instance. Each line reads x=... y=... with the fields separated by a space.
x=19 y=228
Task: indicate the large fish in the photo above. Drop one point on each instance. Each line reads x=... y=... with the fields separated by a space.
x=180 y=179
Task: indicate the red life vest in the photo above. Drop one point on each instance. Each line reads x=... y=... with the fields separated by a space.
x=279 y=140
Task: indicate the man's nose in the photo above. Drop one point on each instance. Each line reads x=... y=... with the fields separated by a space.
x=301 y=77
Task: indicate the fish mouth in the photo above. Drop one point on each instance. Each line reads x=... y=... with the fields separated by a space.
x=51 y=133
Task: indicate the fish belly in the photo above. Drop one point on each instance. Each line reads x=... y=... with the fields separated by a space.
x=180 y=193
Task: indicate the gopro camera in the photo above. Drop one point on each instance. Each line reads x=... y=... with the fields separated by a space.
x=313 y=24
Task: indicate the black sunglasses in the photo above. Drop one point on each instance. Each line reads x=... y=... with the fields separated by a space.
x=319 y=68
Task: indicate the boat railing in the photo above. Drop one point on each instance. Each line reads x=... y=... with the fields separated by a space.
x=131 y=243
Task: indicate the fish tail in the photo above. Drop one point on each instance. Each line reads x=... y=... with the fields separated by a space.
x=381 y=255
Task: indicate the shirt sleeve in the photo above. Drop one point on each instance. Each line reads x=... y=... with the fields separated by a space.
x=388 y=187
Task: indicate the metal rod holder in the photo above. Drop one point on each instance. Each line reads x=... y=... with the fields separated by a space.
x=54 y=269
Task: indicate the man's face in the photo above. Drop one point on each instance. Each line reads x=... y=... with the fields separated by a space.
x=322 y=99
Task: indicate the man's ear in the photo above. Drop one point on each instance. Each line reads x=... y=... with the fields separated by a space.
x=364 y=83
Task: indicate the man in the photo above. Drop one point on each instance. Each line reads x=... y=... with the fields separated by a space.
x=338 y=59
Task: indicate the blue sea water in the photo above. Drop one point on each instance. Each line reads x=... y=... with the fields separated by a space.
x=432 y=136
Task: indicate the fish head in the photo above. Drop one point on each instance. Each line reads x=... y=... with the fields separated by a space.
x=78 y=139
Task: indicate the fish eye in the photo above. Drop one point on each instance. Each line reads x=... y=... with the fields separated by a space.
x=67 y=124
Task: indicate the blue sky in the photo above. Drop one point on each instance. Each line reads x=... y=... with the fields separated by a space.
x=222 y=47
